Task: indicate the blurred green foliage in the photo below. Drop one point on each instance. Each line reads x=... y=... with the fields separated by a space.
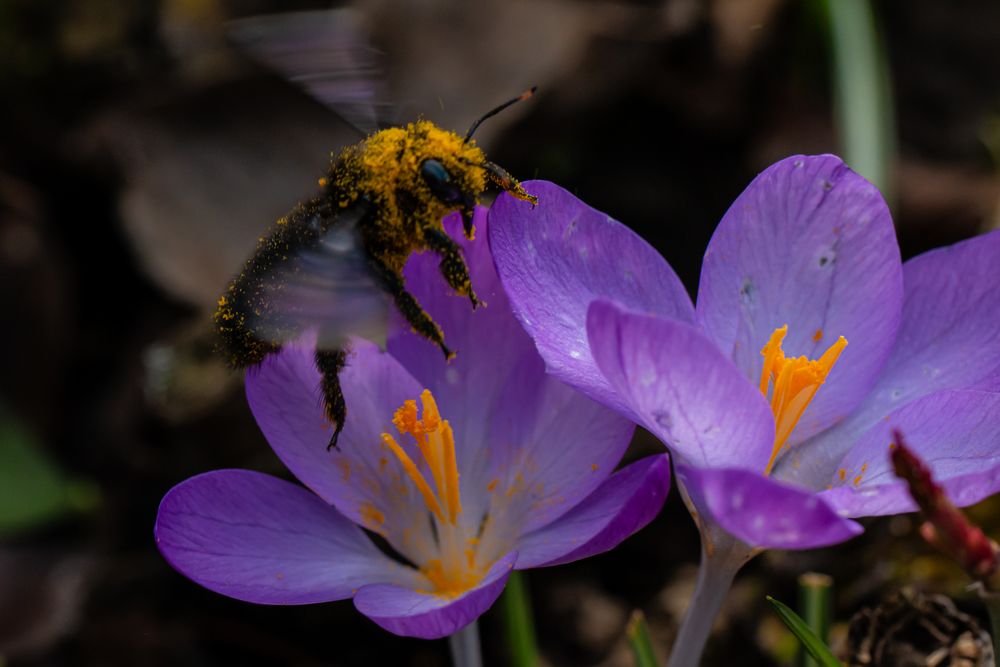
x=863 y=101
x=32 y=490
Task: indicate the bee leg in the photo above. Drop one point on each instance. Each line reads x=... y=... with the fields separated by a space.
x=468 y=213
x=330 y=363
x=502 y=179
x=410 y=309
x=453 y=267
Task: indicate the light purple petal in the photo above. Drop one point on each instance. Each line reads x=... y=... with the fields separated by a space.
x=257 y=538
x=513 y=422
x=956 y=432
x=359 y=477
x=809 y=244
x=764 y=512
x=569 y=446
x=623 y=504
x=684 y=390
x=949 y=339
x=406 y=612
x=950 y=333
x=557 y=257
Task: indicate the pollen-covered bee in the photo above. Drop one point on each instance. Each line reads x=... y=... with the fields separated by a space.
x=328 y=265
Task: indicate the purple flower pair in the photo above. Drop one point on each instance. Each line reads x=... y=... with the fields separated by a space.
x=467 y=469
x=780 y=435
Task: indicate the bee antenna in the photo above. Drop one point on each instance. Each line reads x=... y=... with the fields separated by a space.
x=523 y=96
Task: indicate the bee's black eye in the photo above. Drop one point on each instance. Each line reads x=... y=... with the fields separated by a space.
x=439 y=181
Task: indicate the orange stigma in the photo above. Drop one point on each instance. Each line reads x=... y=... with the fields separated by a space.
x=793 y=383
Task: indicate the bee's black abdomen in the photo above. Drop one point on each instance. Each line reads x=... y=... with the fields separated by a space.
x=330 y=363
x=246 y=299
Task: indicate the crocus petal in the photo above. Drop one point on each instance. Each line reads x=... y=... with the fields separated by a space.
x=507 y=414
x=257 y=538
x=764 y=512
x=956 y=432
x=557 y=257
x=682 y=388
x=407 y=612
x=623 y=504
x=809 y=244
x=949 y=339
x=285 y=397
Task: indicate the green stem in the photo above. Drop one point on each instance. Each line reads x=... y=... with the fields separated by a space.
x=464 y=645
x=720 y=562
x=814 y=605
x=519 y=623
x=640 y=641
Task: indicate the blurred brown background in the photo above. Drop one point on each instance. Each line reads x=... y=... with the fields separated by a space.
x=140 y=157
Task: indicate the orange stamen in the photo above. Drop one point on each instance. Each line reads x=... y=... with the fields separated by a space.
x=436 y=442
x=418 y=478
x=455 y=570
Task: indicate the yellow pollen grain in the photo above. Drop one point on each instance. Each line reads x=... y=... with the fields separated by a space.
x=818 y=336
x=492 y=485
x=372 y=517
x=449 y=583
x=593 y=467
x=345 y=469
x=857 y=480
x=517 y=486
x=842 y=474
x=793 y=382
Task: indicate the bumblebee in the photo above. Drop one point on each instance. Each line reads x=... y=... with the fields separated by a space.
x=328 y=266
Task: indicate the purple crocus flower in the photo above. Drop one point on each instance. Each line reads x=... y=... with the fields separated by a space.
x=467 y=469
x=777 y=449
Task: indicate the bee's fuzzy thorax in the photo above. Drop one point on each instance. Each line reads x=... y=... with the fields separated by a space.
x=385 y=168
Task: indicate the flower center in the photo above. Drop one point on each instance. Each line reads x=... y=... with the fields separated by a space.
x=793 y=382
x=455 y=570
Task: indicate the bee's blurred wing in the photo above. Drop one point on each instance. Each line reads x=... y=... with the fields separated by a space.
x=325 y=53
x=328 y=287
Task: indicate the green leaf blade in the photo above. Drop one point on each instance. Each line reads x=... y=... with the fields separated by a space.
x=810 y=642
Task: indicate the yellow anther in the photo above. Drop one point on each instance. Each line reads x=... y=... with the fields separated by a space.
x=793 y=383
x=454 y=499
x=431 y=418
